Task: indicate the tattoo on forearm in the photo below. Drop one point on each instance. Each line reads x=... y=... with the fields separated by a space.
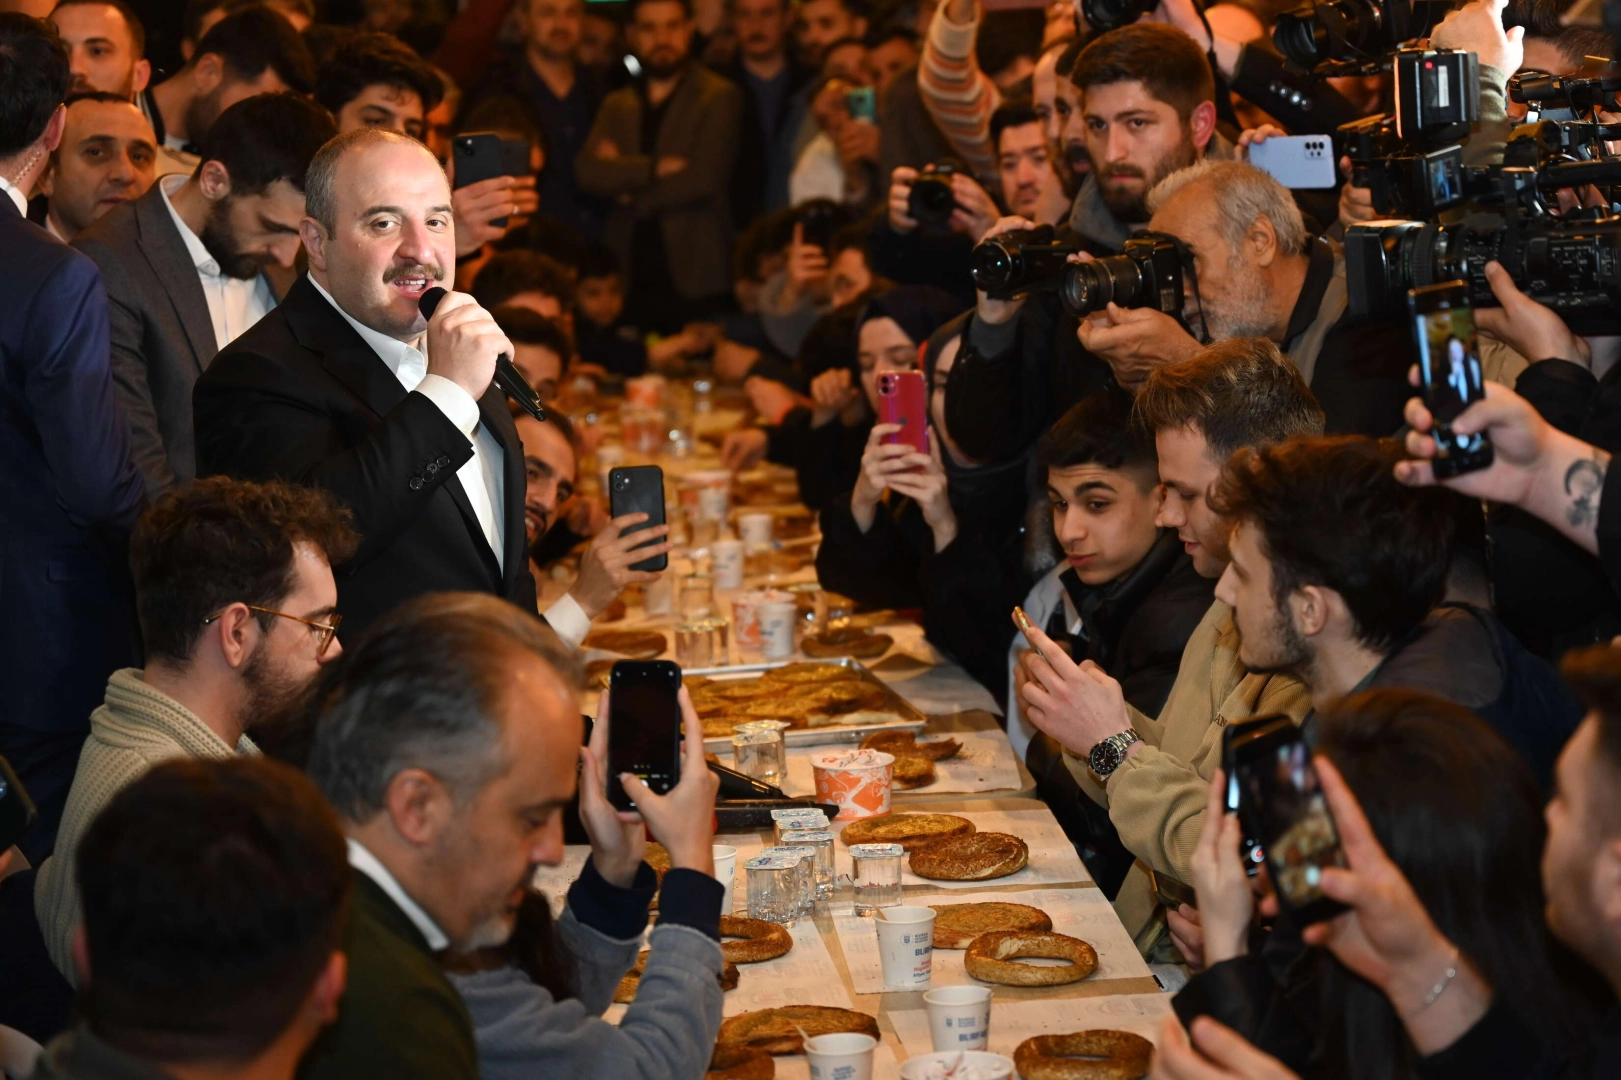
x=1584 y=483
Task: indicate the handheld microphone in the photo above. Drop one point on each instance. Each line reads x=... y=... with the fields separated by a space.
x=507 y=377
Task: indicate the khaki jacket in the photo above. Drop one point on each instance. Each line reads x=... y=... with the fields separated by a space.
x=1156 y=799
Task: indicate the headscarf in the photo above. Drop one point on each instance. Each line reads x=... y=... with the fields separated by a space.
x=918 y=310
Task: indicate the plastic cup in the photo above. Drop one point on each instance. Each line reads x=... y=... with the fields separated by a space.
x=876 y=876
x=760 y=754
x=775 y=888
x=959 y=1017
x=658 y=597
x=841 y=1056
x=957 y=1064
x=777 y=619
x=714 y=487
x=755 y=530
x=728 y=562
x=857 y=782
x=905 y=946
x=725 y=873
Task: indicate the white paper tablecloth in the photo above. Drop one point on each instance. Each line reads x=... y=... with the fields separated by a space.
x=1052 y=857
x=1012 y=1022
x=1080 y=913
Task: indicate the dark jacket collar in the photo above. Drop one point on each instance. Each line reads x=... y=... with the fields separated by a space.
x=81 y=1055
x=374 y=903
x=1104 y=609
x=166 y=253
x=1319 y=272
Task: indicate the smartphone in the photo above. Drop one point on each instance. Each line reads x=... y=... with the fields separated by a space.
x=639 y=488
x=644 y=727
x=1250 y=851
x=1449 y=370
x=17 y=811
x=483 y=155
x=817 y=225
x=862 y=101
x=1282 y=805
x=1298 y=162
x=1022 y=621
x=902 y=399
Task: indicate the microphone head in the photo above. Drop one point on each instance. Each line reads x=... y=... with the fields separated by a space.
x=429 y=301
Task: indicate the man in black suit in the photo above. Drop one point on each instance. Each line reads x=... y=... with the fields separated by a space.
x=69 y=492
x=346 y=386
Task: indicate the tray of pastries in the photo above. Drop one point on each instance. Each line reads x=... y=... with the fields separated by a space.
x=824 y=701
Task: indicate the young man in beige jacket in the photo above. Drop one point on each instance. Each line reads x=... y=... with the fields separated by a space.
x=1153 y=774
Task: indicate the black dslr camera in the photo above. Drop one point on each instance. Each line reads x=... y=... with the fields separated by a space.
x=1353 y=37
x=1020 y=263
x=1148 y=273
x=932 y=201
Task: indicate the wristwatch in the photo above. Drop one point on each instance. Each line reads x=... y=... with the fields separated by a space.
x=1107 y=755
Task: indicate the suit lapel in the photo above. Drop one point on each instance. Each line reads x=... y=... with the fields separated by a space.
x=496 y=418
x=165 y=252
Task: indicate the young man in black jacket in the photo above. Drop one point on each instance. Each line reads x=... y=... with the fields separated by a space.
x=1125 y=596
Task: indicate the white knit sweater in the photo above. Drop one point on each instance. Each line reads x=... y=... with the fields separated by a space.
x=134 y=729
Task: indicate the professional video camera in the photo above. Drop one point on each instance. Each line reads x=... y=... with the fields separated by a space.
x=932 y=201
x=1148 y=273
x=1353 y=37
x=1412 y=160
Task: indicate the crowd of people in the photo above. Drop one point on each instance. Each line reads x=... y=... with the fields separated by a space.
x=298 y=729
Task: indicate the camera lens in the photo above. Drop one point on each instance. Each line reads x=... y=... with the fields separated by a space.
x=994 y=268
x=1102 y=15
x=1090 y=286
x=621 y=483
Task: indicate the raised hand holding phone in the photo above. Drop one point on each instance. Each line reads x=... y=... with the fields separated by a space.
x=1077 y=704
x=683 y=818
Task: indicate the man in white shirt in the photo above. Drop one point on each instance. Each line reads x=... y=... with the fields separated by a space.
x=184 y=266
x=347 y=386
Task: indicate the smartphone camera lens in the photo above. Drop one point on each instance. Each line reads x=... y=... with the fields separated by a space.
x=621 y=483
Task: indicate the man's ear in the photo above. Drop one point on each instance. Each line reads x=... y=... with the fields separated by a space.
x=214 y=181
x=1310 y=608
x=314 y=237
x=1263 y=241
x=206 y=74
x=1606 y=883
x=419 y=806
x=1202 y=124
x=327 y=992
x=143 y=75
x=54 y=129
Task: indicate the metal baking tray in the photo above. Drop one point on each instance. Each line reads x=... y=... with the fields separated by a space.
x=833 y=735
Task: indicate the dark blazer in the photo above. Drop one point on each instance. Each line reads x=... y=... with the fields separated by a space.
x=69 y=492
x=702 y=121
x=400 y=1018
x=162 y=333
x=302 y=397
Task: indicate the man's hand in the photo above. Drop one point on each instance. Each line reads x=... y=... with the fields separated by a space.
x=463 y=342
x=1226 y=905
x=1000 y=311
x=669 y=165
x=1477 y=27
x=605 y=566
x=732 y=361
x=1255 y=137
x=1535 y=466
x=900 y=199
x=832 y=392
x=806 y=270
x=618 y=841
x=1077 y=704
x=770 y=398
x=476 y=206
x=1187 y=934
x=976 y=211
x=1135 y=341
x=1356 y=203
x=683 y=820
x=1387 y=937
x=1216 y=1053
x=1530 y=329
x=743 y=449
x=922 y=478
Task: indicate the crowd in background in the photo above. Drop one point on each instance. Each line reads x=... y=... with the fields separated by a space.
x=269 y=550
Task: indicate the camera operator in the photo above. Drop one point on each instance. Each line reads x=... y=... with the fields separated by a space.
x=1259 y=273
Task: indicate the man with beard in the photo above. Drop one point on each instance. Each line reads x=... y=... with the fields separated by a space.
x=184 y=266
x=662 y=148
x=347 y=386
x=550 y=465
x=1056 y=101
x=233 y=583
x=772 y=79
x=106 y=159
x=1256 y=272
x=255 y=51
x=106 y=46
x=1335 y=573
x=449 y=742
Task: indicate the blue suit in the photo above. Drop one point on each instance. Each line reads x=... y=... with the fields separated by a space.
x=69 y=494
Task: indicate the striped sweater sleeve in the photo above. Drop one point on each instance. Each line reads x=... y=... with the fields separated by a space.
x=959 y=96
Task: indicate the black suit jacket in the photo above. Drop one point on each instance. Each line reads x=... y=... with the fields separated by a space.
x=301 y=397
x=69 y=492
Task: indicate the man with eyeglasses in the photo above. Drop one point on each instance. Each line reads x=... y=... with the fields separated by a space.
x=238 y=609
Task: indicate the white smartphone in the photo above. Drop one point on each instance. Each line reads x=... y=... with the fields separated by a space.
x=1297 y=161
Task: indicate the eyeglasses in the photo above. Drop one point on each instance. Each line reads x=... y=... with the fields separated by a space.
x=325 y=632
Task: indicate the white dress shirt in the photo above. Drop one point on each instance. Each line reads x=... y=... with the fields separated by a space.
x=16 y=195
x=368 y=864
x=480 y=475
x=233 y=304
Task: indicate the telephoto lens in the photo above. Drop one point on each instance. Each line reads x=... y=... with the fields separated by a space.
x=932 y=201
x=1020 y=263
x=1147 y=274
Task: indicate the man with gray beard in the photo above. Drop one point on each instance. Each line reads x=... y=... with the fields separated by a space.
x=1258 y=273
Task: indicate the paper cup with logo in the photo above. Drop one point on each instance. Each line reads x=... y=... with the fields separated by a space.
x=755 y=530
x=746 y=614
x=959 y=1017
x=905 y=946
x=728 y=563
x=957 y=1065
x=725 y=873
x=840 y=1056
x=858 y=782
x=778 y=620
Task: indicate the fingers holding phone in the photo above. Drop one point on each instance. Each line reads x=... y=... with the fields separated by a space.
x=683 y=819
x=618 y=842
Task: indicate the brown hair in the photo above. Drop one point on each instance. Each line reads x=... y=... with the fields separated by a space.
x=1238 y=392
x=1164 y=59
x=220 y=542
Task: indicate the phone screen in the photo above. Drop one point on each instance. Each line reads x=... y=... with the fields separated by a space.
x=1296 y=827
x=1450 y=364
x=644 y=726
